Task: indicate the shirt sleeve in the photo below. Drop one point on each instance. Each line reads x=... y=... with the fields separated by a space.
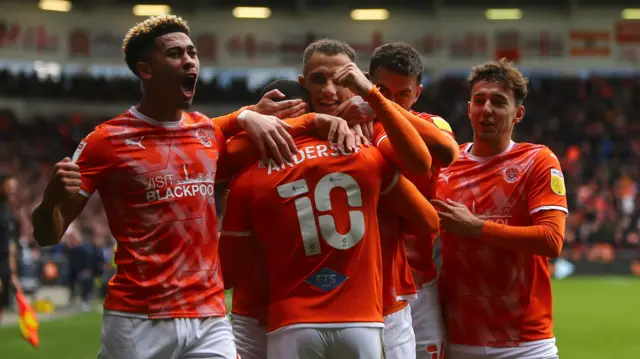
x=93 y=156
x=229 y=124
x=545 y=185
x=378 y=133
x=390 y=176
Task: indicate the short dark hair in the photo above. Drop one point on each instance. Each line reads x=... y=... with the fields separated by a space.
x=328 y=47
x=399 y=58
x=504 y=72
x=292 y=90
x=140 y=38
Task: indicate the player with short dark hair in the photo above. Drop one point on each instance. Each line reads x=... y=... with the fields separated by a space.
x=312 y=282
x=499 y=232
x=396 y=69
x=155 y=167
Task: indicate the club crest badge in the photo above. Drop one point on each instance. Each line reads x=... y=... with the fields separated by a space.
x=511 y=174
x=204 y=137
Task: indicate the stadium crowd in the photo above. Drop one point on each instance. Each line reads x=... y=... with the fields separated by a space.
x=591 y=124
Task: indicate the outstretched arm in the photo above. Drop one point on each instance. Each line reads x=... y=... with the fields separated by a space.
x=408 y=146
x=405 y=200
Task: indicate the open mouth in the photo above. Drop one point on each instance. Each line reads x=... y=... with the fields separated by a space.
x=329 y=103
x=188 y=84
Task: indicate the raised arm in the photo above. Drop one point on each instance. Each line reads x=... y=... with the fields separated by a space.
x=404 y=138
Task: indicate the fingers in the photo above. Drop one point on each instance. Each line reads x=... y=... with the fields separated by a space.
x=286 y=144
x=283 y=124
x=68 y=174
x=440 y=204
x=293 y=112
x=340 y=109
x=66 y=166
x=263 y=151
x=358 y=139
x=287 y=137
x=340 y=76
x=272 y=149
x=273 y=94
x=349 y=137
x=367 y=130
x=333 y=128
x=340 y=140
x=454 y=203
x=287 y=108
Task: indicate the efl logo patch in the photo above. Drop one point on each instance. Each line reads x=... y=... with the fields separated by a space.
x=441 y=123
x=557 y=182
x=326 y=279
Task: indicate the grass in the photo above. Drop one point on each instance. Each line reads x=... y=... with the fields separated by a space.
x=595 y=318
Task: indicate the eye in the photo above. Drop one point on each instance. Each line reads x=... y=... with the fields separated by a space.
x=318 y=79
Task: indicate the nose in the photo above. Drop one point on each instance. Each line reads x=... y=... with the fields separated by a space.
x=189 y=62
x=487 y=107
x=329 y=88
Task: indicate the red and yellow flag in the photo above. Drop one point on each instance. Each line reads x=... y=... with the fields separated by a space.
x=28 y=322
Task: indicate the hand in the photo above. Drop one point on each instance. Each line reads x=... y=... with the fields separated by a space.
x=367 y=131
x=361 y=139
x=280 y=109
x=351 y=77
x=338 y=131
x=64 y=182
x=355 y=110
x=270 y=134
x=457 y=219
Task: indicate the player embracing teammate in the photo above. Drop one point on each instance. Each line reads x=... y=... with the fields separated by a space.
x=338 y=236
x=512 y=228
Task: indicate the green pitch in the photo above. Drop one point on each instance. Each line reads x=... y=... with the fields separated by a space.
x=595 y=318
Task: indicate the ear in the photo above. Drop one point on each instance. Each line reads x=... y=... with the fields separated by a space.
x=418 y=92
x=144 y=70
x=367 y=75
x=469 y=109
x=301 y=80
x=519 y=114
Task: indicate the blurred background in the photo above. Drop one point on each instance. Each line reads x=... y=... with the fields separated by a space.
x=61 y=73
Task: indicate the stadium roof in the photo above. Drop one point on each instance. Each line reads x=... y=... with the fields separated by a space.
x=426 y=5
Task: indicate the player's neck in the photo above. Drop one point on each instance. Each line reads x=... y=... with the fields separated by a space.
x=158 y=112
x=489 y=148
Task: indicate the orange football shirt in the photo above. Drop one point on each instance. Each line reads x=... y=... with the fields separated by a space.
x=316 y=220
x=493 y=296
x=156 y=181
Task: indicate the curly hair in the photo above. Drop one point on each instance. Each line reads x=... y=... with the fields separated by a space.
x=140 y=38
